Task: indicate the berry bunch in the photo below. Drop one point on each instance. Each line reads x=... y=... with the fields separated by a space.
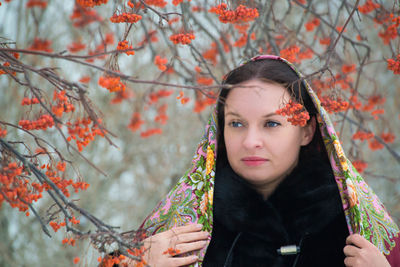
x=62 y=104
x=113 y=84
x=123 y=45
x=240 y=15
x=334 y=105
x=29 y=101
x=182 y=38
x=45 y=121
x=125 y=17
x=82 y=133
x=91 y=3
x=296 y=113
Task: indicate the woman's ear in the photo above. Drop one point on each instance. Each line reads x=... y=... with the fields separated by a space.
x=308 y=132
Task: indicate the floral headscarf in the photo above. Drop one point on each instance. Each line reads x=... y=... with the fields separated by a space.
x=191 y=199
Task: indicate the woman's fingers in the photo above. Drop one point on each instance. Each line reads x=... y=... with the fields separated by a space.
x=185 y=229
x=351 y=251
x=362 y=253
x=357 y=240
x=189 y=237
x=182 y=261
x=189 y=247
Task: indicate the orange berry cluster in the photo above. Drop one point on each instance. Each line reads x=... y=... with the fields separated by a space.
x=56 y=225
x=161 y=93
x=310 y=26
x=240 y=15
x=204 y=80
x=151 y=132
x=162 y=116
x=3 y=132
x=41 y=45
x=325 y=41
x=202 y=102
x=388 y=137
x=76 y=47
x=15 y=190
x=123 y=45
x=69 y=241
x=125 y=17
x=150 y=37
x=61 y=183
x=7 y=64
x=130 y=4
x=348 y=68
x=91 y=3
x=182 y=38
x=177 y=2
x=82 y=186
x=61 y=166
x=368 y=7
x=394 y=64
x=373 y=101
x=110 y=261
x=29 y=101
x=183 y=99
x=112 y=84
x=375 y=144
x=376 y=112
x=160 y=62
x=296 y=112
x=334 y=106
x=138 y=253
x=82 y=133
x=158 y=3
x=388 y=34
x=212 y=53
x=136 y=122
x=121 y=95
x=62 y=104
x=85 y=79
x=290 y=53
x=361 y=135
x=38 y=3
x=84 y=16
x=45 y=121
x=360 y=165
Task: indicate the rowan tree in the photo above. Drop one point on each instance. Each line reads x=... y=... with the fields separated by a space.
x=95 y=93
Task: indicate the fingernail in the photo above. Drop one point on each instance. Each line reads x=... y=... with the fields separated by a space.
x=199 y=226
x=195 y=258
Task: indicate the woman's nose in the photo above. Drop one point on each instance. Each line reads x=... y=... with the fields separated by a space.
x=252 y=139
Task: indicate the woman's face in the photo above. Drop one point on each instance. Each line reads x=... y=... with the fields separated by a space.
x=262 y=147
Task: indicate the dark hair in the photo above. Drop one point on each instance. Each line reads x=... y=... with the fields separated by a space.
x=278 y=72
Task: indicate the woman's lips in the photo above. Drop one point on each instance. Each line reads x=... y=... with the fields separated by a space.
x=254 y=161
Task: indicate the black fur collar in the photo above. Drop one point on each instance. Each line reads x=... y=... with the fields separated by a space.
x=305 y=203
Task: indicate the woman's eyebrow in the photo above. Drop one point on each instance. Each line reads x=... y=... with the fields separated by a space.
x=232 y=114
x=270 y=114
x=238 y=115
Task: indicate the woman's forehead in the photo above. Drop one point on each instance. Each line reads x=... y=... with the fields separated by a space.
x=256 y=96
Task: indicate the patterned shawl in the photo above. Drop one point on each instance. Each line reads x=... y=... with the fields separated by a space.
x=191 y=199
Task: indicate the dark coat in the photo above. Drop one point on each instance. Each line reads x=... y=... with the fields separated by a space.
x=305 y=210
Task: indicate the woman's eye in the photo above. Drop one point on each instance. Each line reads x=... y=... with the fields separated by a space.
x=236 y=124
x=272 y=124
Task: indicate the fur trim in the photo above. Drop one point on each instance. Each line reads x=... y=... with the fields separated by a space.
x=303 y=207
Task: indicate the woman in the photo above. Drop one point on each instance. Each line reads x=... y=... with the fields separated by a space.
x=284 y=193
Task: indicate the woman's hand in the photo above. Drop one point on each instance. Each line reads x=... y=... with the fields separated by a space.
x=164 y=249
x=360 y=252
